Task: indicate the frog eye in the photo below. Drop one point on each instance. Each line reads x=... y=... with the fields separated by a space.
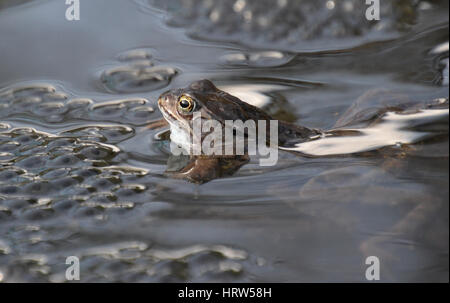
x=186 y=104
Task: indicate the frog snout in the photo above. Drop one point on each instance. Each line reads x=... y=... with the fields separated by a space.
x=165 y=100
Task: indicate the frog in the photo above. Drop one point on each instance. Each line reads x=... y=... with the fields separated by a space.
x=178 y=107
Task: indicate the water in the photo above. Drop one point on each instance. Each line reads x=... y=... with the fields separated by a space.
x=81 y=175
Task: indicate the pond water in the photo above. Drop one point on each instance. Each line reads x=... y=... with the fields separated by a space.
x=81 y=175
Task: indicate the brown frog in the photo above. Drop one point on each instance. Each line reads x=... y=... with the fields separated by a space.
x=178 y=107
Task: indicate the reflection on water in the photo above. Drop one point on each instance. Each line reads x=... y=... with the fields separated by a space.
x=392 y=130
x=80 y=174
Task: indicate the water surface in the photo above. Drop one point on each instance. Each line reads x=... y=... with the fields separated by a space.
x=80 y=175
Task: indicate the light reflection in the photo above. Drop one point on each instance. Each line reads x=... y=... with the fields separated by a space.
x=391 y=131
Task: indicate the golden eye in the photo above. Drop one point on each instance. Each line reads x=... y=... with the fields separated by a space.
x=186 y=104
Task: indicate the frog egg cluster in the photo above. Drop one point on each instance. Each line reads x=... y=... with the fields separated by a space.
x=45 y=175
x=44 y=103
x=137 y=73
x=285 y=21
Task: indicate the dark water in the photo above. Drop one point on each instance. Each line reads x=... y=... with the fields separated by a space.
x=81 y=176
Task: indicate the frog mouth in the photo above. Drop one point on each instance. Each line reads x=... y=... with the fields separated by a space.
x=167 y=115
x=173 y=121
